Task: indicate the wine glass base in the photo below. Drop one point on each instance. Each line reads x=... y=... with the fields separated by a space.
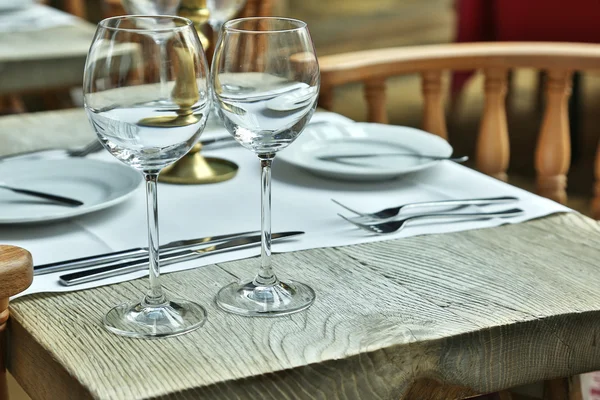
x=249 y=299
x=139 y=320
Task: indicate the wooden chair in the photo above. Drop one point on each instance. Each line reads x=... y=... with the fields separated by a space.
x=558 y=60
x=16 y=274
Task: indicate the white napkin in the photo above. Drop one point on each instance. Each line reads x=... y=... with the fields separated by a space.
x=31 y=17
x=301 y=201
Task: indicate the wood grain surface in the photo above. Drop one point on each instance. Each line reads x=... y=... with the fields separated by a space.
x=16 y=274
x=463 y=313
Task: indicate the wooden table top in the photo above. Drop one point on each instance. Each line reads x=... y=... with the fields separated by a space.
x=461 y=313
x=44 y=59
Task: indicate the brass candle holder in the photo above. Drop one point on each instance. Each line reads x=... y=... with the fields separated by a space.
x=193 y=168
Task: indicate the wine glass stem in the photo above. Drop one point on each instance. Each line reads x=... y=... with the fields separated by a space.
x=155 y=295
x=216 y=28
x=162 y=58
x=265 y=276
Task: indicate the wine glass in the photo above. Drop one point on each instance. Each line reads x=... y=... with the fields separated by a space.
x=221 y=11
x=265 y=79
x=148 y=123
x=151 y=7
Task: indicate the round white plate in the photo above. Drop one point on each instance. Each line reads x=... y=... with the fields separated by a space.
x=363 y=138
x=97 y=184
x=293 y=99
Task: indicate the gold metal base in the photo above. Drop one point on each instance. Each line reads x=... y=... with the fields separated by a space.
x=193 y=168
x=170 y=121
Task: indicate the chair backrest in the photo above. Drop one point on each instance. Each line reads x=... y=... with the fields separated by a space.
x=558 y=60
x=16 y=274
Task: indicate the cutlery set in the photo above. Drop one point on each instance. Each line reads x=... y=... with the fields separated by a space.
x=386 y=221
x=108 y=265
x=169 y=258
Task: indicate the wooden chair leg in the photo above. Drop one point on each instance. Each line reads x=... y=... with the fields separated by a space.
x=553 y=152
x=374 y=91
x=434 y=119
x=16 y=274
x=12 y=104
x=596 y=200
x=504 y=395
x=3 y=319
x=563 y=389
x=493 y=151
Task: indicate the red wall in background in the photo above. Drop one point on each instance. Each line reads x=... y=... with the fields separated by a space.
x=528 y=20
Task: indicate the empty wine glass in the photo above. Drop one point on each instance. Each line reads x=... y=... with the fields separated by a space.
x=151 y=7
x=265 y=81
x=221 y=11
x=148 y=123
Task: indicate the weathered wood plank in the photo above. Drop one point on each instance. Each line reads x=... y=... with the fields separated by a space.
x=474 y=311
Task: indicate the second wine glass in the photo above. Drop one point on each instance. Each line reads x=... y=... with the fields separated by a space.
x=266 y=82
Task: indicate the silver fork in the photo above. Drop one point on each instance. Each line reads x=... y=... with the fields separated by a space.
x=89 y=148
x=392 y=212
x=383 y=228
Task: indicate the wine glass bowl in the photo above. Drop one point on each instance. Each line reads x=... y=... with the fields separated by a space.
x=146 y=94
x=265 y=78
x=151 y=7
x=222 y=11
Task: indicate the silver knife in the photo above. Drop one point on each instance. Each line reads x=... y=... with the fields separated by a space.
x=138 y=253
x=91 y=275
x=371 y=155
x=46 y=196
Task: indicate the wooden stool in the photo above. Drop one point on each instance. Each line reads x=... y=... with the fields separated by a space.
x=16 y=274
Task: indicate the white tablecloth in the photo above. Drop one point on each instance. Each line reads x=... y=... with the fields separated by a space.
x=301 y=201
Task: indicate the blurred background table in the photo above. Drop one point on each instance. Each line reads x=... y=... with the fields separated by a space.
x=46 y=59
x=42 y=53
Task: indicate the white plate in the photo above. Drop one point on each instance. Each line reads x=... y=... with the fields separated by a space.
x=97 y=184
x=363 y=138
x=294 y=99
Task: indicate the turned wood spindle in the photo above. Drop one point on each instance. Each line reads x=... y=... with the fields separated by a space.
x=375 y=96
x=16 y=274
x=493 y=153
x=553 y=152
x=75 y=7
x=326 y=97
x=434 y=118
x=596 y=200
